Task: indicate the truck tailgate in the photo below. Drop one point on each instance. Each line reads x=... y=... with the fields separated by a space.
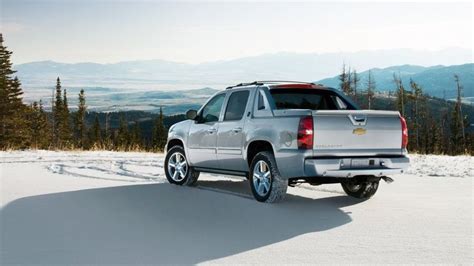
x=357 y=133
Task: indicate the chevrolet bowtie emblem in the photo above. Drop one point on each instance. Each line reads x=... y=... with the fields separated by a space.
x=359 y=131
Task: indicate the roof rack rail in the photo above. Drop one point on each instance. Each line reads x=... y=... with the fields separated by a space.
x=245 y=84
x=262 y=82
x=284 y=81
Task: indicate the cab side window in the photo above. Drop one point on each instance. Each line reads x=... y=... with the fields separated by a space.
x=236 y=105
x=339 y=102
x=261 y=107
x=261 y=101
x=210 y=112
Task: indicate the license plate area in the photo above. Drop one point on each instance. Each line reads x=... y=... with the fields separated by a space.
x=362 y=163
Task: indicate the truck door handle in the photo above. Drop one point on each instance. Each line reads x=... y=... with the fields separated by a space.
x=359 y=118
x=211 y=130
x=237 y=129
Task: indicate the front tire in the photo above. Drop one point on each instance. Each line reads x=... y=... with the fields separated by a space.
x=360 y=190
x=265 y=181
x=177 y=169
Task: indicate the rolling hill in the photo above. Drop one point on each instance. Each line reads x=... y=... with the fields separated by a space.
x=436 y=80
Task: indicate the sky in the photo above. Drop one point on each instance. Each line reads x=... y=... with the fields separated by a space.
x=108 y=31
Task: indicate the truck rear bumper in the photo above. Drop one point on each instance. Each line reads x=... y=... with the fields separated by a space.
x=350 y=167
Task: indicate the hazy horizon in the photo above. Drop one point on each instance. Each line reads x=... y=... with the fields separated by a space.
x=448 y=49
x=108 y=32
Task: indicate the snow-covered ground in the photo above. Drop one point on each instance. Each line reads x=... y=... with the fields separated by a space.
x=111 y=208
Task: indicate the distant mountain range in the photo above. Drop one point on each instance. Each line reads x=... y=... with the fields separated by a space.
x=166 y=75
x=147 y=85
x=436 y=80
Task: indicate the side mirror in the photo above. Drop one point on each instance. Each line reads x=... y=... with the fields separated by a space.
x=191 y=114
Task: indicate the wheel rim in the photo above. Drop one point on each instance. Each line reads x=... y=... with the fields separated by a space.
x=177 y=166
x=261 y=178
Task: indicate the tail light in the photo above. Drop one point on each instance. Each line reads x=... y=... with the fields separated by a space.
x=404 y=132
x=305 y=133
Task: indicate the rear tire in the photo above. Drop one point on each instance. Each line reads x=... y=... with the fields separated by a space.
x=265 y=181
x=177 y=170
x=360 y=190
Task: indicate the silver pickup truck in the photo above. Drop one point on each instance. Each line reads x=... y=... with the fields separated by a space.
x=279 y=134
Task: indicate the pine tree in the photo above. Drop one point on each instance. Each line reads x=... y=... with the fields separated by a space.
x=123 y=137
x=16 y=93
x=58 y=115
x=13 y=113
x=61 y=129
x=371 y=88
x=96 y=138
x=159 y=133
x=20 y=125
x=445 y=131
x=421 y=122
x=136 y=136
x=108 y=139
x=5 y=94
x=458 y=121
x=79 y=121
x=66 y=129
x=40 y=136
x=44 y=130
x=435 y=145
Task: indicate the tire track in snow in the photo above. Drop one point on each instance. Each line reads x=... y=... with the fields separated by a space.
x=99 y=170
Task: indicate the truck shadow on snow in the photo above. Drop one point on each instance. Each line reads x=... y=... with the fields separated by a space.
x=156 y=223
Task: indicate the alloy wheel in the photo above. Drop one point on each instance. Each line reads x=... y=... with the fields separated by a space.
x=262 y=178
x=177 y=167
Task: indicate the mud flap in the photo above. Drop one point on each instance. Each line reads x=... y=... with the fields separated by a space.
x=387 y=179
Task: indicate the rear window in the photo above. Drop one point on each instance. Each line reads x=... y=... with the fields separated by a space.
x=309 y=99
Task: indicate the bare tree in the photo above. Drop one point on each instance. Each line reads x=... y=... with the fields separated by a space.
x=416 y=94
x=400 y=93
x=370 y=89
x=355 y=82
x=458 y=116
